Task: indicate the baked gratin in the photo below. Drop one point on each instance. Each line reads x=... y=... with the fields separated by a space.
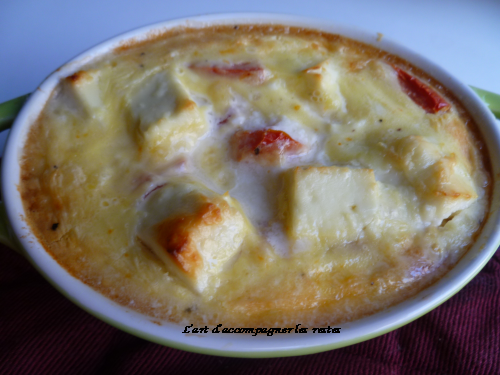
x=254 y=175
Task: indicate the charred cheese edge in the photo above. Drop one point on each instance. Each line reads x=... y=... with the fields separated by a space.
x=348 y=196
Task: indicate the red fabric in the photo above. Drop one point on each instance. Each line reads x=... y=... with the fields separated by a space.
x=43 y=333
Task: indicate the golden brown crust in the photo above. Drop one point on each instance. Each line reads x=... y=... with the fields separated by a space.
x=175 y=236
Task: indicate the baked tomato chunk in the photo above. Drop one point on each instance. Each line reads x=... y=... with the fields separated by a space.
x=268 y=145
x=425 y=97
x=250 y=72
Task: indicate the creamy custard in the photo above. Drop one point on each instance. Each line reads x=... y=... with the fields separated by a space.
x=254 y=175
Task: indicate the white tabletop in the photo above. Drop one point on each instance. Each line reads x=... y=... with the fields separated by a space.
x=36 y=37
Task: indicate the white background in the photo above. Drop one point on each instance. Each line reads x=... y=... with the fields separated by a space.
x=37 y=36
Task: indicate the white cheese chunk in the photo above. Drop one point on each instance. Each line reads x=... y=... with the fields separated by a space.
x=329 y=206
x=169 y=121
x=194 y=231
x=442 y=182
x=398 y=218
x=447 y=188
x=321 y=85
x=416 y=154
x=84 y=88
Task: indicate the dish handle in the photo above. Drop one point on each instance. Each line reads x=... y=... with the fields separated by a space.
x=7 y=237
x=8 y=112
x=492 y=100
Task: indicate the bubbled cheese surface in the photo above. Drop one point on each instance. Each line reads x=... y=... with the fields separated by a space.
x=253 y=175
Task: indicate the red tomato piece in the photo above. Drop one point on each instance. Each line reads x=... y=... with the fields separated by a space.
x=248 y=71
x=420 y=93
x=267 y=144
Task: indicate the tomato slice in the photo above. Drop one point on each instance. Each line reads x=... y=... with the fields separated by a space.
x=421 y=94
x=252 y=72
x=267 y=145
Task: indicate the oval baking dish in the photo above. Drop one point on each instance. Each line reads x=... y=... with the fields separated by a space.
x=174 y=334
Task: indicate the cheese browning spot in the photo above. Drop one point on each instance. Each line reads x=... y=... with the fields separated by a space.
x=174 y=236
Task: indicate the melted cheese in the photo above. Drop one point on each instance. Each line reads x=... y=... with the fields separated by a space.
x=253 y=176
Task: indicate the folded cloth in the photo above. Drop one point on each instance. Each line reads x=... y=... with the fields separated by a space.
x=41 y=332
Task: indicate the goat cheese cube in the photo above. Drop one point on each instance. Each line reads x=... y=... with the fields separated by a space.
x=322 y=86
x=442 y=182
x=84 y=87
x=169 y=121
x=329 y=206
x=195 y=232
